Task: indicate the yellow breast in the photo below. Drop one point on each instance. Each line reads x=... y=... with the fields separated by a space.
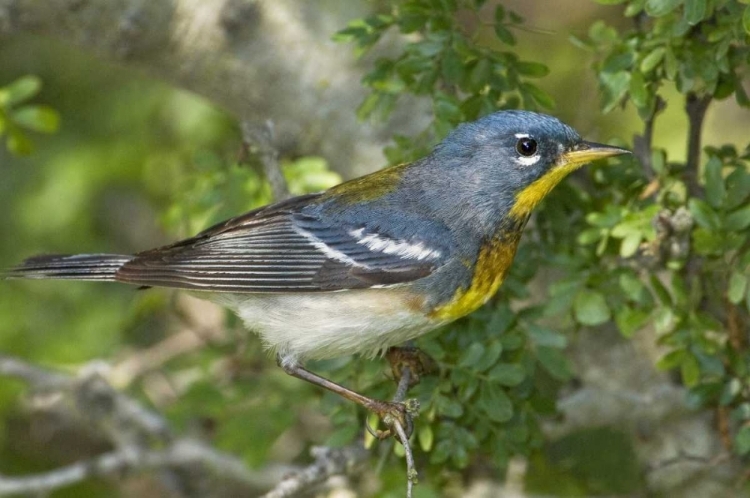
x=492 y=265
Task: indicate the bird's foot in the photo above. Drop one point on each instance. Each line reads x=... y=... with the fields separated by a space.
x=418 y=362
x=393 y=413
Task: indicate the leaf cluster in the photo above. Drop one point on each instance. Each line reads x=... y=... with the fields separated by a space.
x=18 y=117
x=663 y=247
x=465 y=66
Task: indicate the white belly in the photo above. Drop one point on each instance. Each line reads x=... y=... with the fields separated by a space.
x=323 y=325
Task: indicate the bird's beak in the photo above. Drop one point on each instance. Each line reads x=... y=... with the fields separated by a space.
x=585 y=152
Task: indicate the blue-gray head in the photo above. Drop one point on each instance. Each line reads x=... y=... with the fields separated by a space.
x=508 y=161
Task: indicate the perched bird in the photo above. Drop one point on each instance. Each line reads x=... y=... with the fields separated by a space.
x=374 y=261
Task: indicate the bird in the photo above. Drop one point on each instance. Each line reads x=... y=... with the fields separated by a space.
x=372 y=262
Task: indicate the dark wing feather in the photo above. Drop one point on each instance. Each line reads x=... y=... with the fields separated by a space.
x=274 y=249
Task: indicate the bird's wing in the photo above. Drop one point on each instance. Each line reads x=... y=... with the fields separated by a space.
x=281 y=249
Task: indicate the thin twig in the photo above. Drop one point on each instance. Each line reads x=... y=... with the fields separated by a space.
x=132 y=459
x=32 y=375
x=328 y=462
x=411 y=470
x=403 y=385
x=683 y=457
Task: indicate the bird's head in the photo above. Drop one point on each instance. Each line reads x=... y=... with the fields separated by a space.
x=511 y=160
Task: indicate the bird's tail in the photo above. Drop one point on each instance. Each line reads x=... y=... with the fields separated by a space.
x=100 y=267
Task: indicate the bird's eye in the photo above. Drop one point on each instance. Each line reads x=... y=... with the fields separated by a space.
x=526 y=146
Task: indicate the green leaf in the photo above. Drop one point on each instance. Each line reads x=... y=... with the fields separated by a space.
x=659 y=161
x=426 y=437
x=638 y=91
x=658 y=8
x=489 y=357
x=590 y=308
x=471 y=355
x=737 y=287
x=615 y=86
x=695 y=10
x=738 y=187
x=742 y=412
x=39 y=118
x=449 y=407
x=715 y=190
x=679 y=290
x=532 y=69
x=746 y=19
x=740 y=94
x=662 y=294
x=20 y=90
x=630 y=320
x=632 y=286
x=452 y=67
x=540 y=96
x=499 y=14
x=19 y=144
x=607 y=219
x=704 y=215
x=652 y=59
x=446 y=109
x=690 y=370
x=707 y=242
x=554 y=362
x=545 y=337
x=504 y=35
x=480 y=75
x=634 y=8
x=368 y=106
x=507 y=374
x=495 y=403
x=730 y=391
x=602 y=34
x=671 y=360
x=590 y=235
x=630 y=244
x=739 y=219
x=742 y=440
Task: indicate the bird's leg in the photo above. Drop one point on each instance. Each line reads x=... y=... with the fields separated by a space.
x=388 y=411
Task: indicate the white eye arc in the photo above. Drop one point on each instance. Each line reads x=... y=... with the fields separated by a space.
x=527 y=149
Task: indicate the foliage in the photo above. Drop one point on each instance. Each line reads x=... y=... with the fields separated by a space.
x=17 y=116
x=464 y=74
x=664 y=244
x=682 y=242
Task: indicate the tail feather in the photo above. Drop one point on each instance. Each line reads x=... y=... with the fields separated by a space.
x=101 y=267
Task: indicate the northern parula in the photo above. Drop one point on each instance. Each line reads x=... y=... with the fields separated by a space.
x=374 y=261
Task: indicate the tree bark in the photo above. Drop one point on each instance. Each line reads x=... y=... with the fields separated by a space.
x=259 y=60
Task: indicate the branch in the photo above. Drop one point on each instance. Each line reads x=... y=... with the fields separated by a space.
x=256 y=60
x=684 y=457
x=32 y=375
x=130 y=427
x=181 y=453
x=642 y=144
x=328 y=462
x=695 y=107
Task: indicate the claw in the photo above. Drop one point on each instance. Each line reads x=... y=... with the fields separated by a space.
x=391 y=413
